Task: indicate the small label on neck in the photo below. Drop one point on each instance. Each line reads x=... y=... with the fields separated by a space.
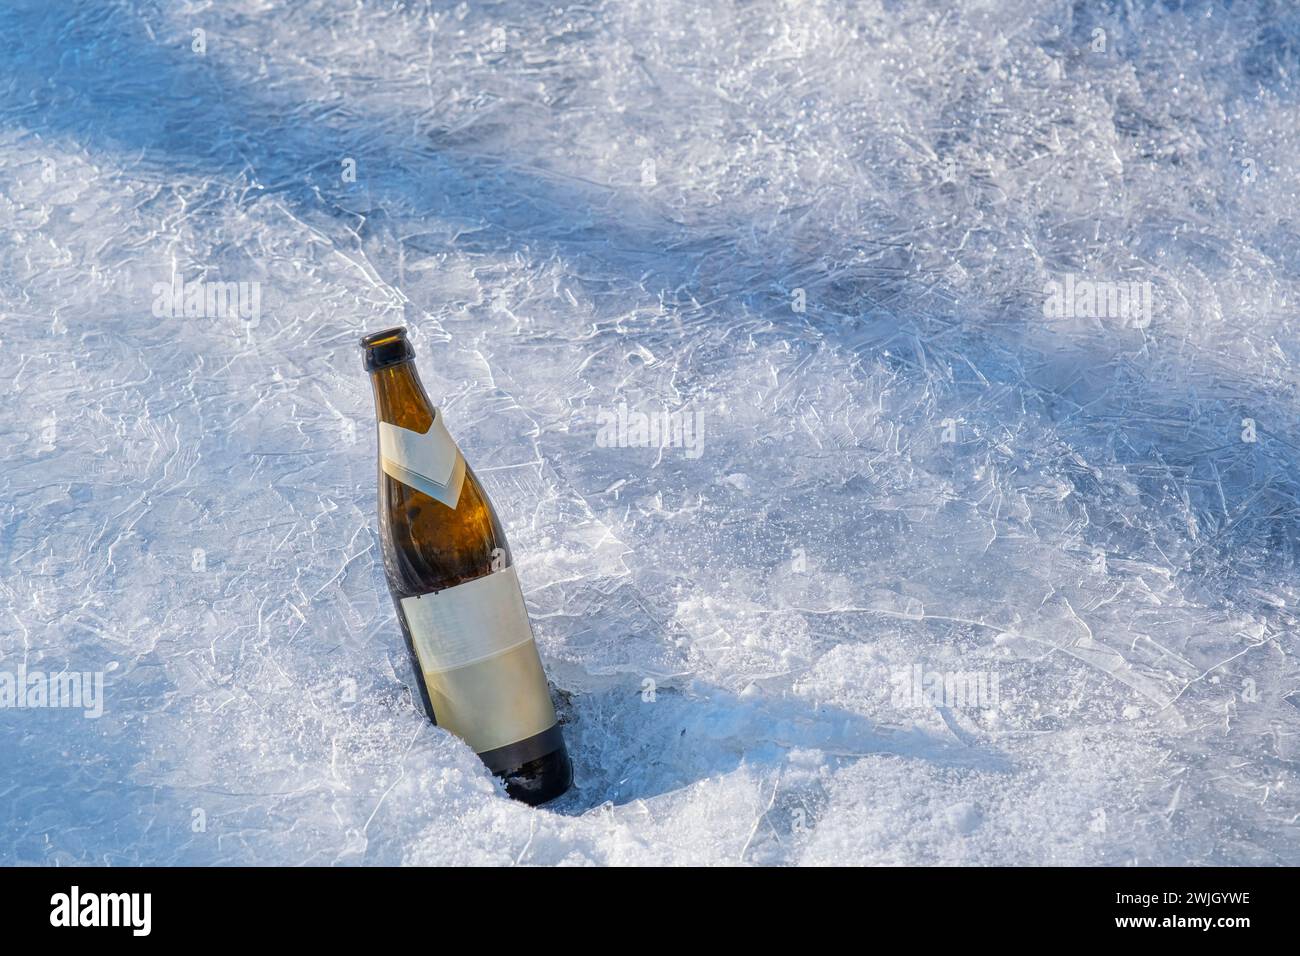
x=427 y=461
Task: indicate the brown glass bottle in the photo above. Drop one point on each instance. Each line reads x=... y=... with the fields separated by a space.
x=454 y=585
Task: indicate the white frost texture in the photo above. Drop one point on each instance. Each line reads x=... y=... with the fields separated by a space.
x=949 y=574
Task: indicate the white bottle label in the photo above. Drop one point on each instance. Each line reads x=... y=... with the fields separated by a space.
x=427 y=461
x=480 y=663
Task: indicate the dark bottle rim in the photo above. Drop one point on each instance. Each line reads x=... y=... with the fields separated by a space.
x=386 y=348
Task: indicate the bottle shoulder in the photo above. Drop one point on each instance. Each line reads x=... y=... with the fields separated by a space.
x=430 y=545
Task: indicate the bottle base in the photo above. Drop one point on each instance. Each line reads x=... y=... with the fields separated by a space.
x=540 y=780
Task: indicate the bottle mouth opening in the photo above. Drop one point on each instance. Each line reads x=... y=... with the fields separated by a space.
x=386 y=348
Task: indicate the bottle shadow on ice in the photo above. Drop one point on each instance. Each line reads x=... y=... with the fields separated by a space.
x=628 y=744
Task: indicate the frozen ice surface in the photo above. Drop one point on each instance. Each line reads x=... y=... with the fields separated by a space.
x=581 y=206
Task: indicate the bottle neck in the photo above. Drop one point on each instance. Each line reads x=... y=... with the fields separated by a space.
x=400 y=398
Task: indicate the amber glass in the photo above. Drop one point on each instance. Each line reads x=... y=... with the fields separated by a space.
x=428 y=546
